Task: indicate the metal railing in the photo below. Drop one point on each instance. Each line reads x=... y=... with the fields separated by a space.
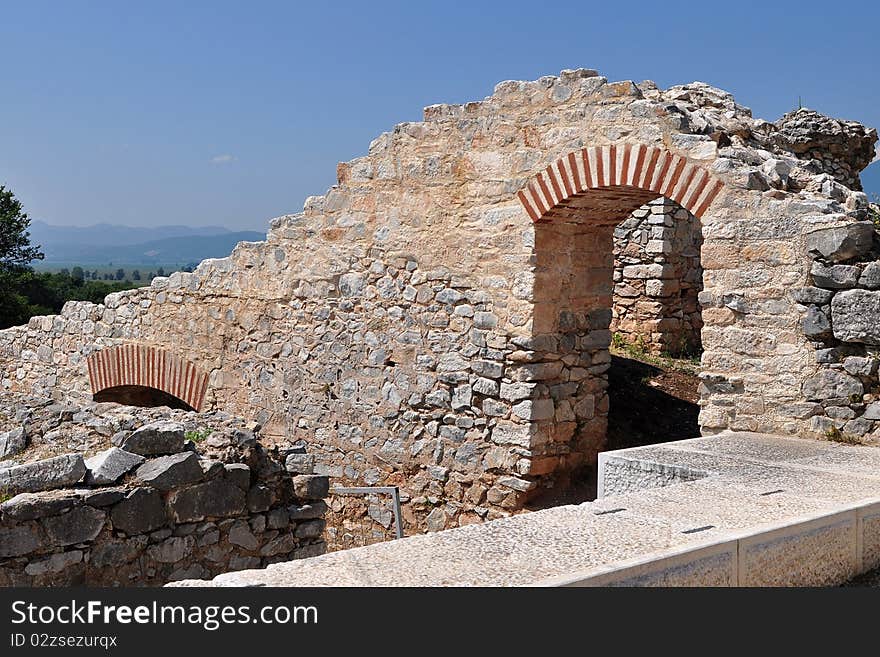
x=393 y=491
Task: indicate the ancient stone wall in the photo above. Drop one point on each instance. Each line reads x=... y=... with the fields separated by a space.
x=153 y=507
x=656 y=307
x=841 y=317
x=440 y=318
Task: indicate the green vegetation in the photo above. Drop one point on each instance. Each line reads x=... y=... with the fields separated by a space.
x=836 y=435
x=133 y=273
x=874 y=210
x=637 y=349
x=198 y=436
x=24 y=292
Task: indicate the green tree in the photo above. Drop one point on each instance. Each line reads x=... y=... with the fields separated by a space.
x=16 y=253
x=77 y=275
x=16 y=250
x=120 y=274
x=160 y=271
x=136 y=275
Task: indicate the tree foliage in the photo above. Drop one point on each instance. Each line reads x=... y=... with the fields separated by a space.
x=16 y=250
x=25 y=293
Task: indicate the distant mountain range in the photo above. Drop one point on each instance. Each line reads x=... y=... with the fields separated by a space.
x=156 y=245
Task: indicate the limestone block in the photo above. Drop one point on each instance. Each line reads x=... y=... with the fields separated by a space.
x=855 y=316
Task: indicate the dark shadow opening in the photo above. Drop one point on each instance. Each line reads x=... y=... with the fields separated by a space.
x=650 y=404
x=141 y=396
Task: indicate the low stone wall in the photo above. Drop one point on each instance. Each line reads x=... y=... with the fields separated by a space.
x=760 y=510
x=161 y=503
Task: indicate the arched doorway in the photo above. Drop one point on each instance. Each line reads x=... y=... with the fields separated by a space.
x=576 y=204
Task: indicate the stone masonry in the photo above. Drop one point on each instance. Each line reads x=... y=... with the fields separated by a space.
x=440 y=318
x=658 y=313
x=99 y=495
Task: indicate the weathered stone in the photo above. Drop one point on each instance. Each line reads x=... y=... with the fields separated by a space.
x=436 y=520
x=239 y=474
x=102 y=497
x=351 y=285
x=538 y=409
x=155 y=439
x=79 y=525
x=108 y=466
x=43 y=475
x=815 y=323
x=168 y=472
x=517 y=484
x=299 y=463
x=141 y=511
x=508 y=433
x=55 y=563
x=872 y=411
x=307 y=511
x=311 y=487
x=171 y=550
x=278 y=518
x=218 y=498
x=309 y=529
x=858 y=427
x=812 y=295
x=281 y=545
x=115 y=553
x=842 y=242
x=28 y=506
x=836 y=277
x=380 y=514
x=240 y=534
x=828 y=384
x=870 y=277
x=259 y=498
x=860 y=366
x=12 y=442
x=19 y=539
x=855 y=316
x=243 y=563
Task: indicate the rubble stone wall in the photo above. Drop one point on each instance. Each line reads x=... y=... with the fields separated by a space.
x=439 y=319
x=660 y=315
x=841 y=317
x=151 y=508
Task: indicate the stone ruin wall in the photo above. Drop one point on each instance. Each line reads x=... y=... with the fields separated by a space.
x=154 y=509
x=657 y=279
x=423 y=325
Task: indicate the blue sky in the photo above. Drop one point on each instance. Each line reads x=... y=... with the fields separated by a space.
x=230 y=113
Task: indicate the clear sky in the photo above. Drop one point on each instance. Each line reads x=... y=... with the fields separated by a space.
x=230 y=113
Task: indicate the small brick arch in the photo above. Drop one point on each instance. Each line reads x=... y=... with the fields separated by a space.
x=646 y=168
x=148 y=367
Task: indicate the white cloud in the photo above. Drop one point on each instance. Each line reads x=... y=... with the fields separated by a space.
x=225 y=158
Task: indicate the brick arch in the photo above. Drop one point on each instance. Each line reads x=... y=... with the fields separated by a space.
x=652 y=170
x=148 y=367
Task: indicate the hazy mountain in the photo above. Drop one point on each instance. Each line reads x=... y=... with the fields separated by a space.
x=105 y=243
x=871 y=180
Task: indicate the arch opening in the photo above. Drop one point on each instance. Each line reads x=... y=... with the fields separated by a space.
x=142 y=396
x=598 y=283
x=148 y=376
